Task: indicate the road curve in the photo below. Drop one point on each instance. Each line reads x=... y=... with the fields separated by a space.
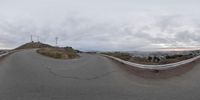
x=26 y=75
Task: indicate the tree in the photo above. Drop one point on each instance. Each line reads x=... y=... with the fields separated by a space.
x=150 y=58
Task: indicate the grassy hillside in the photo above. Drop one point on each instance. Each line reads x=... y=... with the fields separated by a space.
x=51 y=51
x=59 y=53
x=32 y=45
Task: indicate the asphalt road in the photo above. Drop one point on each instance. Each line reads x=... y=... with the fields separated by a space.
x=27 y=75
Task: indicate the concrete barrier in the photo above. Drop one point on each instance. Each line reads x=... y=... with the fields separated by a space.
x=155 y=67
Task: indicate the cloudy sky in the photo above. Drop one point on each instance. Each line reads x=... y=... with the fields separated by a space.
x=102 y=25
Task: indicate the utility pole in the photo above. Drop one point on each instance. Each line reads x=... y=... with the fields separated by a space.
x=56 y=41
x=31 y=38
x=38 y=39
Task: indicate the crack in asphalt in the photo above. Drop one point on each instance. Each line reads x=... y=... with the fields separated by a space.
x=79 y=78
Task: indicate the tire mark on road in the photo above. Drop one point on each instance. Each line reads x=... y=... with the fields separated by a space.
x=79 y=78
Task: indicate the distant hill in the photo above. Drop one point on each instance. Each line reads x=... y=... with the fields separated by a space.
x=32 y=45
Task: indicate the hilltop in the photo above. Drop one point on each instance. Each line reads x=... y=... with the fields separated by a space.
x=51 y=51
x=32 y=45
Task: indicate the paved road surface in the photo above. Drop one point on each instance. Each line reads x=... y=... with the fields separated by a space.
x=27 y=75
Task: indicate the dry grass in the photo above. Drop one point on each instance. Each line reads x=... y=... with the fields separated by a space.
x=32 y=45
x=123 y=56
x=143 y=60
x=58 y=53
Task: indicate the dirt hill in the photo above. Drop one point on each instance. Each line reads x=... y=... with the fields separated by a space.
x=32 y=45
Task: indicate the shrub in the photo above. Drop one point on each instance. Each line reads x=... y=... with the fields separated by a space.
x=58 y=53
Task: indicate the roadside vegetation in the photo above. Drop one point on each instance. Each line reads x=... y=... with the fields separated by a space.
x=157 y=60
x=153 y=60
x=51 y=51
x=123 y=56
x=32 y=45
x=59 y=53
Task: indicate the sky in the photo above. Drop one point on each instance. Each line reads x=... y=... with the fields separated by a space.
x=102 y=25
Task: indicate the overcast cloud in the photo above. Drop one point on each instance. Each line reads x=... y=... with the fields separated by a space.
x=101 y=25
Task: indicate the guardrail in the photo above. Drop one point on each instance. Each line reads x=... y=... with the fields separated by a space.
x=4 y=54
x=10 y=52
x=155 y=67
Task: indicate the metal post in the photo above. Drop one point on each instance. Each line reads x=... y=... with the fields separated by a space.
x=38 y=39
x=56 y=41
x=31 y=38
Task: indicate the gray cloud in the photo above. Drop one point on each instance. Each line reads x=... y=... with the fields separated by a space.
x=87 y=34
x=103 y=25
